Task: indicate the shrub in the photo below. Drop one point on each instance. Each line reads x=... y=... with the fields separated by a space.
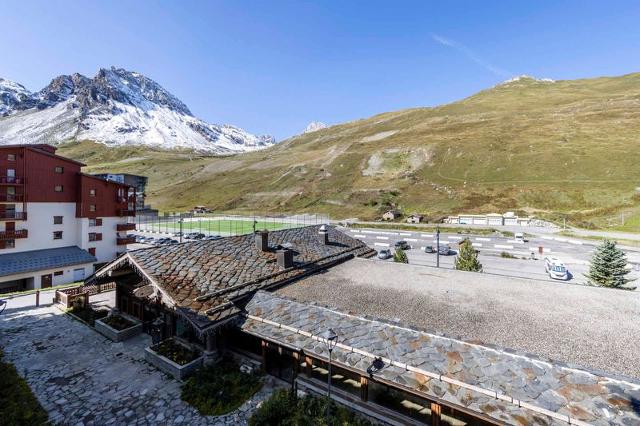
x=400 y=256
x=507 y=255
x=220 y=389
x=467 y=258
x=118 y=322
x=608 y=266
x=180 y=354
x=18 y=405
x=88 y=314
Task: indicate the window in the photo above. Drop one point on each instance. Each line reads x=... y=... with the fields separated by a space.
x=92 y=207
x=92 y=251
x=57 y=220
x=92 y=193
x=95 y=236
x=11 y=175
x=58 y=188
x=10 y=244
x=11 y=157
x=95 y=222
x=59 y=169
x=58 y=273
x=57 y=235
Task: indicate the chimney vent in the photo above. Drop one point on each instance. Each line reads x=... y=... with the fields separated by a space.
x=285 y=258
x=262 y=240
x=323 y=233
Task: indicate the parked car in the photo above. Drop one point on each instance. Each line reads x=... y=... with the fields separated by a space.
x=403 y=245
x=384 y=254
x=139 y=239
x=212 y=237
x=445 y=250
x=149 y=240
x=519 y=237
x=555 y=268
x=429 y=249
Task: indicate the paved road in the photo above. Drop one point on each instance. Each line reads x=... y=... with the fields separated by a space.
x=575 y=253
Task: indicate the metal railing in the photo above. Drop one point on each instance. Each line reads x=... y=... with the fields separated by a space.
x=13 y=215
x=12 y=235
x=12 y=180
x=11 y=197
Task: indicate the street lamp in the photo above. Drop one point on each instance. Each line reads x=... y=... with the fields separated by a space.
x=437 y=246
x=331 y=339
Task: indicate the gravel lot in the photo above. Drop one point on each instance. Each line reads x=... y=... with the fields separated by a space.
x=594 y=328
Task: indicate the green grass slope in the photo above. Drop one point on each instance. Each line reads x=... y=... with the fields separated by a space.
x=553 y=149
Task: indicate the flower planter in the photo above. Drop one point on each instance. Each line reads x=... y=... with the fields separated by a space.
x=174 y=369
x=118 y=335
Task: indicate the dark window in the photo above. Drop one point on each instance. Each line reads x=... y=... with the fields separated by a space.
x=92 y=207
x=92 y=222
x=95 y=222
x=58 y=273
x=59 y=169
x=57 y=220
x=10 y=244
x=92 y=236
x=58 y=188
x=11 y=157
x=92 y=192
x=92 y=251
x=57 y=235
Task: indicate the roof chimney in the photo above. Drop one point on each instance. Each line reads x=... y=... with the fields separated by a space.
x=285 y=258
x=323 y=233
x=262 y=240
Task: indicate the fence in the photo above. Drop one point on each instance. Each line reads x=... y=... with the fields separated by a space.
x=66 y=297
x=224 y=224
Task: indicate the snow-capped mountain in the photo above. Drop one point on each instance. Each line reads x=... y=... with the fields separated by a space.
x=116 y=107
x=315 y=126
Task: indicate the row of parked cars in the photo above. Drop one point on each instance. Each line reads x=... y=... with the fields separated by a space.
x=174 y=240
x=444 y=250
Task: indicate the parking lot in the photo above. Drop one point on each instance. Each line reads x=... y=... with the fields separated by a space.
x=574 y=253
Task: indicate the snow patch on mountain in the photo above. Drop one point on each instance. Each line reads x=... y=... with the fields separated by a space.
x=314 y=126
x=525 y=77
x=116 y=107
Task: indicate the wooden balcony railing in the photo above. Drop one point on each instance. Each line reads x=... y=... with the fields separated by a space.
x=12 y=235
x=11 y=180
x=13 y=215
x=122 y=241
x=126 y=227
x=10 y=198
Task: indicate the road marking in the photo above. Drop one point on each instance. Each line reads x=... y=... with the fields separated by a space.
x=454 y=238
x=515 y=242
x=426 y=236
x=482 y=239
x=476 y=244
x=360 y=236
x=411 y=239
x=546 y=237
x=404 y=234
x=562 y=240
x=441 y=242
x=575 y=242
x=381 y=244
x=502 y=246
x=382 y=238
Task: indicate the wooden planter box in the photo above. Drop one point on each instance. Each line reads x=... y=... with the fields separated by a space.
x=178 y=371
x=118 y=335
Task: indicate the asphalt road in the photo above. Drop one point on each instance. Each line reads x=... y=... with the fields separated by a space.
x=575 y=253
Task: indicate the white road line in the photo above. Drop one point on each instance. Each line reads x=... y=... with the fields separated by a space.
x=441 y=242
x=454 y=238
x=422 y=248
x=426 y=236
x=546 y=237
x=502 y=246
x=476 y=244
x=404 y=234
x=382 y=238
x=575 y=242
x=411 y=239
x=360 y=236
x=562 y=240
x=546 y=250
x=482 y=239
x=381 y=244
x=515 y=242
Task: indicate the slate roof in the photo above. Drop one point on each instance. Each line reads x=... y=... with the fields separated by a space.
x=510 y=388
x=37 y=260
x=205 y=278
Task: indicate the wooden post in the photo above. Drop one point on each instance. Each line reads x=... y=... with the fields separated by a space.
x=364 y=388
x=309 y=362
x=436 y=411
x=37 y=298
x=264 y=356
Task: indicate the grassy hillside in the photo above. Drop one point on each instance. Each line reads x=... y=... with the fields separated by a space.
x=569 y=148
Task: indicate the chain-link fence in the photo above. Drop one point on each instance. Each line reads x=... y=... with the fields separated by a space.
x=224 y=224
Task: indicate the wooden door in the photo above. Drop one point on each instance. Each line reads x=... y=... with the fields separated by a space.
x=46 y=281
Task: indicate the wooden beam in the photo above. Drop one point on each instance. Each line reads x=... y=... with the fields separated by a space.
x=364 y=388
x=436 y=411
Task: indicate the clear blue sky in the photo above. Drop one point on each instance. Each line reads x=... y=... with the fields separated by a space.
x=272 y=67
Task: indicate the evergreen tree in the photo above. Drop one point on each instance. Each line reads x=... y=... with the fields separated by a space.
x=400 y=256
x=608 y=266
x=467 y=259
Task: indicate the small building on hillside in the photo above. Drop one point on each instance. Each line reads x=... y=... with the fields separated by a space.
x=415 y=218
x=391 y=215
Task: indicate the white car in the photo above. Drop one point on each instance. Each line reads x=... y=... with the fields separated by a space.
x=555 y=268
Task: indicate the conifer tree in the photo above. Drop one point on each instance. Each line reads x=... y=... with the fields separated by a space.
x=400 y=256
x=608 y=266
x=467 y=259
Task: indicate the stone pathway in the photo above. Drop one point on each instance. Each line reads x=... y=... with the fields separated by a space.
x=81 y=378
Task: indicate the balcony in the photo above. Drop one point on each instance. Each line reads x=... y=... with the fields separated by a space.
x=11 y=180
x=127 y=213
x=123 y=241
x=126 y=227
x=13 y=235
x=11 y=198
x=13 y=216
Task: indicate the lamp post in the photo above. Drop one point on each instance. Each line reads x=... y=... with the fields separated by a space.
x=437 y=246
x=331 y=339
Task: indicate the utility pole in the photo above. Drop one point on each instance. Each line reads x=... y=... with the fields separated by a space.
x=437 y=246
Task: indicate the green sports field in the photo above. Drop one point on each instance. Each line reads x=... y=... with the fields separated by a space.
x=216 y=226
